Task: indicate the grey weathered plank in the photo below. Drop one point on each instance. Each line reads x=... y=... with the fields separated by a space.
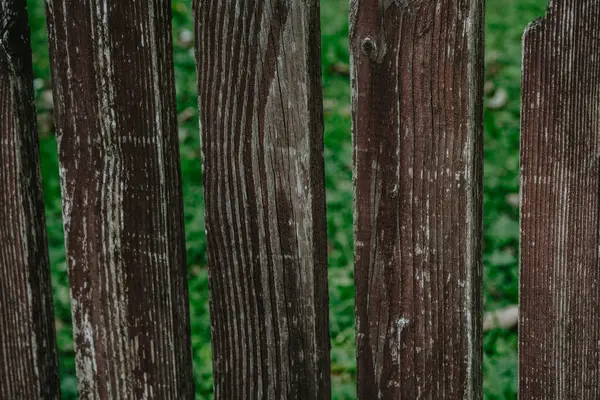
x=259 y=78
x=559 y=327
x=28 y=360
x=417 y=121
x=113 y=82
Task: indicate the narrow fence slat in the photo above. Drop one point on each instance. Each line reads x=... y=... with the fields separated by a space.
x=113 y=84
x=559 y=327
x=417 y=80
x=259 y=78
x=28 y=359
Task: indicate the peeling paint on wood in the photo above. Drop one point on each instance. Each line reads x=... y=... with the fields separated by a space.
x=417 y=84
x=259 y=78
x=28 y=359
x=559 y=327
x=113 y=81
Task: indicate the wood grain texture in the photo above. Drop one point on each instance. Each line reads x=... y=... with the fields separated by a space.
x=259 y=78
x=417 y=69
x=559 y=327
x=113 y=82
x=28 y=359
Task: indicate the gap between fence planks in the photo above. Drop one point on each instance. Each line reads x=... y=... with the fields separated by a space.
x=259 y=77
x=559 y=327
x=28 y=359
x=113 y=84
x=417 y=77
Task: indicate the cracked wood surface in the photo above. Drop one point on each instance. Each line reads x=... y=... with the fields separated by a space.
x=28 y=359
x=417 y=75
x=559 y=327
x=259 y=78
x=113 y=84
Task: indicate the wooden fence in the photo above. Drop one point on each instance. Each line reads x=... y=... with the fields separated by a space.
x=559 y=329
x=417 y=79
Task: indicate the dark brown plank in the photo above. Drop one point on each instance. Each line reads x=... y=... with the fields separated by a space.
x=28 y=359
x=559 y=328
x=417 y=116
x=113 y=81
x=259 y=78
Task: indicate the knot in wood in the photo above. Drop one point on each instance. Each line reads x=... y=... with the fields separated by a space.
x=369 y=48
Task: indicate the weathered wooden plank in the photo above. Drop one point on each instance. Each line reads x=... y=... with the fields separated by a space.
x=417 y=71
x=28 y=359
x=559 y=327
x=113 y=82
x=259 y=78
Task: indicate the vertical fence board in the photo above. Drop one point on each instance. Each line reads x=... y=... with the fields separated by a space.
x=417 y=122
x=113 y=81
x=28 y=360
x=559 y=330
x=259 y=78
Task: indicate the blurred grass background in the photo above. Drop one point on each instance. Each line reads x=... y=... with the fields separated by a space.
x=505 y=22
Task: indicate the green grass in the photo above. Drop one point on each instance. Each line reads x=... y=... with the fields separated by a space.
x=505 y=22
